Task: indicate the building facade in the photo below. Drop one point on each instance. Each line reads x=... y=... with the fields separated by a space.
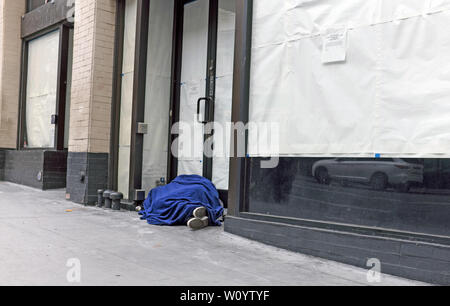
x=323 y=124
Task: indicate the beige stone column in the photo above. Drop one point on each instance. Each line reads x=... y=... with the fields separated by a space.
x=91 y=98
x=92 y=76
x=11 y=13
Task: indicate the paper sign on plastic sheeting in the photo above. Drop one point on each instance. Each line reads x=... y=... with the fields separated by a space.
x=334 y=47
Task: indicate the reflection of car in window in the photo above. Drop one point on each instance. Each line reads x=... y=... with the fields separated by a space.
x=379 y=173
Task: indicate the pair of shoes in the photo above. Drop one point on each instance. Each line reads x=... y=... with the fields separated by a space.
x=200 y=219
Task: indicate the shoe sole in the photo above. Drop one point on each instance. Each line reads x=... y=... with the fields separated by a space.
x=200 y=212
x=197 y=223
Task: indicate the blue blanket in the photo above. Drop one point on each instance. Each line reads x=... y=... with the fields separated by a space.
x=175 y=203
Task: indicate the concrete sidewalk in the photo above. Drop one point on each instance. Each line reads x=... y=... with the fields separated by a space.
x=38 y=237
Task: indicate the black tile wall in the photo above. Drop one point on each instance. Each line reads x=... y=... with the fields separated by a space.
x=94 y=168
x=414 y=260
x=24 y=167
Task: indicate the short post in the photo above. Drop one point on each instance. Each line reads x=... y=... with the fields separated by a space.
x=107 y=197
x=100 y=197
x=116 y=198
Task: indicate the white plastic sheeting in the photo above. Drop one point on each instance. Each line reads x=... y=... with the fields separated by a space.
x=42 y=81
x=193 y=87
x=157 y=105
x=126 y=105
x=224 y=92
x=389 y=97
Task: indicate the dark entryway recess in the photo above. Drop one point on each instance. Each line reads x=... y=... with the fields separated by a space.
x=136 y=193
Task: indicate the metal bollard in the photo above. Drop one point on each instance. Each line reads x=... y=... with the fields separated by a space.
x=107 y=197
x=116 y=197
x=100 y=197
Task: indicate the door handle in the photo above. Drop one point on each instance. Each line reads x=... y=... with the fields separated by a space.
x=199 y=102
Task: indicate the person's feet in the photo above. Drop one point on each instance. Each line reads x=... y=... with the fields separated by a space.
x=200 y=212
x=198 y=223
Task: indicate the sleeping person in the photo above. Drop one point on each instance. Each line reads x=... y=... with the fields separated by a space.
x=189 y=200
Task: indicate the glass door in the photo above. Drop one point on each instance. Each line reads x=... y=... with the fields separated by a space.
x=226 y=19
x=193 y=102
x=206 y=80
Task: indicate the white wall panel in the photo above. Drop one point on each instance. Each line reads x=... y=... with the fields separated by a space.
x=388 y=97
x=224 y=92
x=126 y=104
x=157 y=107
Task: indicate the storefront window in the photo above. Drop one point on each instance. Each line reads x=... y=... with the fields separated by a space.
x=410 y=195
x=355 y=103
x=42 y=80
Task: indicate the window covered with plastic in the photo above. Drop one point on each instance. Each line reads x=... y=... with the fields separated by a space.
x=359 y=77
x=42 y=81
x=359 y=92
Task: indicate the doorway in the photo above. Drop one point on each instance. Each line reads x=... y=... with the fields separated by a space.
x=203 y=98
x=185 y=76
